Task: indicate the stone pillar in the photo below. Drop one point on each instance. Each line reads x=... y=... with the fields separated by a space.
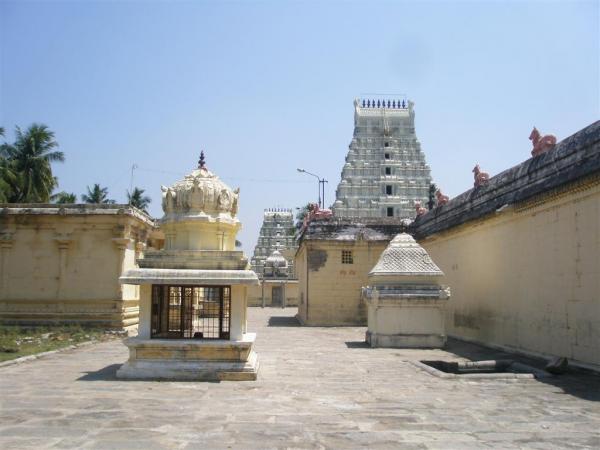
x=238 y=312
x=283 y=295
x=63 y=240
x=144 y=327
x=6 y=243
x=121 y=244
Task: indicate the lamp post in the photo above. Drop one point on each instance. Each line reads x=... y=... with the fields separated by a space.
x=322 y=182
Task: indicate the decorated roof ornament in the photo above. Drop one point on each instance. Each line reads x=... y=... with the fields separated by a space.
x=419 y=209
x=201 y=195
x=541 y=144
x=480 y=177
x=441 y=198
x=276 y=259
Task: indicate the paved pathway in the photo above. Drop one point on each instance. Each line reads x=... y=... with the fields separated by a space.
x=317 y=388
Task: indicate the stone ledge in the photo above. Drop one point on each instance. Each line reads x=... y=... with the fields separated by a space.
x=74 y=209
x=189 y=277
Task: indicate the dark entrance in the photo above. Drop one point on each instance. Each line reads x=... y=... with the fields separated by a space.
x=190 y=312
x=277 y=296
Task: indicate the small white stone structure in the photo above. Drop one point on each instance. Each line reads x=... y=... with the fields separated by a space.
x=193 y=292
x=275 y=278
x=404 y=297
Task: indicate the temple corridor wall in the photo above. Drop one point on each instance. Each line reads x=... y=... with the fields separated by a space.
x=528 y=277
x=63 y=264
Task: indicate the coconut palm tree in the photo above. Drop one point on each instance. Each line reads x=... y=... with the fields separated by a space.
x=138 y=199
x=96 y=195
x=7 y=173
x=31 y=156
x=64 y=197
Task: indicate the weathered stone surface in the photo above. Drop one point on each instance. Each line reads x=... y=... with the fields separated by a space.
x=317 y=388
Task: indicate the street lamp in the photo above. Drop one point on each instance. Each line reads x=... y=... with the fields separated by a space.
x=322 y=182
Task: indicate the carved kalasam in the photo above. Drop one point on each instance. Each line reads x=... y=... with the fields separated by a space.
x=441 y=198
x=419 y=209
x=480 y=177
x=541 y=144
x=200 y=192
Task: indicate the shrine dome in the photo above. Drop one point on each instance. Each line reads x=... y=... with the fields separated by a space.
x=276 y=260
x=200 y=196
x=405 y=257
x=200 y=212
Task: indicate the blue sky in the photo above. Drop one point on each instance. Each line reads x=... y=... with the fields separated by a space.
x=266 y=87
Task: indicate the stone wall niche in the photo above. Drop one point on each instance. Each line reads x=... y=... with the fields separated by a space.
x=405 y=300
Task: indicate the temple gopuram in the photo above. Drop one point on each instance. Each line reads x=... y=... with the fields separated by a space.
x=385 y=173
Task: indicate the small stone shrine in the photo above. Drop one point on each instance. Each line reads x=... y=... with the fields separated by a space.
x=193 y=292
x=405 y=300
x=275 y=277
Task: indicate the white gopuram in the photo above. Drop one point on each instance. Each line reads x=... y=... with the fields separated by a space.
x=193 y=292
x=405 y=300
x=385 y=172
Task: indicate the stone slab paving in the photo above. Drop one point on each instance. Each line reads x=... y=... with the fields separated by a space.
x=317 y=388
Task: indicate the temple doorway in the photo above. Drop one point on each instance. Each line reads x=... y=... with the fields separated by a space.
x=277 y=296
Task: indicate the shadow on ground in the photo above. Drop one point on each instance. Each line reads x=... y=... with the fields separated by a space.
x=579 y=383
x=283 y=321
x=357 y=344
x=105 y=374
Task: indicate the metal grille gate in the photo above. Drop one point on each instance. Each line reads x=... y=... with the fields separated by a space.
x=191 y=312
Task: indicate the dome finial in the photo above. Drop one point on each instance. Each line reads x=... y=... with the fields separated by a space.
x=202 y=161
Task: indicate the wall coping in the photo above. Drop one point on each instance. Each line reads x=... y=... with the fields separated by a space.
x=571 y=160
x=74 y=209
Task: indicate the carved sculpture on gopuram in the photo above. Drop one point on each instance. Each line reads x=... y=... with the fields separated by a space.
x=480 y=177
x=419 y=209
x=441 y=198
x=315 y=213
x=541 y=144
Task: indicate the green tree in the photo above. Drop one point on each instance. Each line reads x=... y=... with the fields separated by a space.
x=30 y=158
x=431 y=202
x=7 y=174
x=138 y=199
x=64 y=197
x=97 y=195
x=303 y=211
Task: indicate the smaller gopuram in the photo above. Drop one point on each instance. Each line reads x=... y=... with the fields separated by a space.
x=276 y=233
x=193 y=292
x=405 y=300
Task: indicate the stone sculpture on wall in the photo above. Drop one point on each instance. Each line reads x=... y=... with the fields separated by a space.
x=419 y=209
x=481 y=178
x=441 y=198
x=541 y=144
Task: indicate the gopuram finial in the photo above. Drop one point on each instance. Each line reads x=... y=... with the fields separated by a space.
x=202 y=161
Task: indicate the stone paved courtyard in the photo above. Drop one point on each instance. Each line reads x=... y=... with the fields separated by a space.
x=317 y=388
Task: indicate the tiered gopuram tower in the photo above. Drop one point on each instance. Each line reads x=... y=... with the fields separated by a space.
x=385 y=172
x=276 y=233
